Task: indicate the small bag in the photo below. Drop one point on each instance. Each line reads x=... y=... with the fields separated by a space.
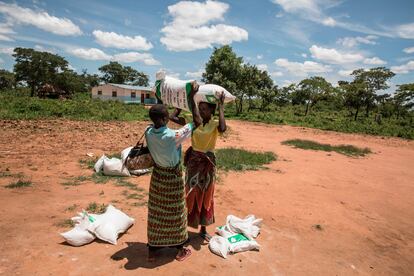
x=139 y=158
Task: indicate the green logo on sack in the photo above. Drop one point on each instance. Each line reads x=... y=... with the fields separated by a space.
x=211 y=99
x=237 y=238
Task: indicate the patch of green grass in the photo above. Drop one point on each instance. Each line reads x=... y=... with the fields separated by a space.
x=88 y=163
x=76 y=181
x=19 y=184
x=100 y=178
x=135 y=196
x=9 y=174
x=328 y=118
x=71 y=208
x=114 y=155
x=348 y=150
x=124 y=183
x=17 y=105
x=139 y=203
x=66 y=223
x=240 y=159
x=96 y=208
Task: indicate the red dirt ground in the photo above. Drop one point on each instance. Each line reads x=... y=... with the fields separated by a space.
x=363 y=205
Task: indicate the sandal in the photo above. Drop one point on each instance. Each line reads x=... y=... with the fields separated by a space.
x=206 y=236
x=183 y=254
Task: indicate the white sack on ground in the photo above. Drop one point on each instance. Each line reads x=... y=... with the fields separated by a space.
x=115 y=167
x=110 y=224
x=249 y=226
x=79 y=235
x=99 y=164
x=219 y=246
x=124 y=153
x=236 y=242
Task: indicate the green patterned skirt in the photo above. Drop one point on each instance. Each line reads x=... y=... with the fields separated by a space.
x=167 y=211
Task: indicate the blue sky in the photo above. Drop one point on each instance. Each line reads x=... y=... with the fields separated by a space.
x=292 y=40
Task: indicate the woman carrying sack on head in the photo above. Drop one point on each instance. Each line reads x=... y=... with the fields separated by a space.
x=201 y=165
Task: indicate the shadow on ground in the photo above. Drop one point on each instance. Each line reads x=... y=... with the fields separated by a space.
x=136 y=253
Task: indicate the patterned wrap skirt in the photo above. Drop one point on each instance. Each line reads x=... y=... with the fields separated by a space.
x=199 y=185
x=167 y=212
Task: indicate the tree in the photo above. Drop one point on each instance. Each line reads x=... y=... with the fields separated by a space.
x=375 y=80
x=354 y=95
x=268 y=96
x=115 y=72
x=70 y=82
x=313 y=90
x=89 y=80
x=225 y=68
x=7 y=79
x=404 y=98
x=36 y=68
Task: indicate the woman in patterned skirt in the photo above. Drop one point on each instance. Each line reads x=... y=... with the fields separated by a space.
x=167 y=212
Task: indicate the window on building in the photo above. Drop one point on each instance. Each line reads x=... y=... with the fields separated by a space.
x=147 y=96
x=133 y=95
x=113 y=93
x=99 y=92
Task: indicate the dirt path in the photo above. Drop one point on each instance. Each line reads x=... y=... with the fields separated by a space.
x=364 y=206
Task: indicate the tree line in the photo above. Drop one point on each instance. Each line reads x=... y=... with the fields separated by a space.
x=50 y=75
x=256 y=88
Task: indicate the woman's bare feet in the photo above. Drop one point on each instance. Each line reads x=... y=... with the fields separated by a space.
x=203 y=233
x=183 y=254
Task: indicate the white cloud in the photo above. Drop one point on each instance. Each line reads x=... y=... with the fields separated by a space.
x=190 y=31
x=135 y=57
x=44 y=49
x=7 y=50
x=111 y=39
x=329 y=21
x=5 y=38
x=302 y=69
x=259 y=56
x=409 y=50
x=90 y=54
x=298 y=5
x=403 y=69
x=304 y=55
x=345 y=73
x=40 y=19
x=334 y=56
x=286 y=83
x=405 y=31
x=279 y=15
x=128 y=57
x=195 y=75
x=276 y=74
x=351 y=42
x=5 y=31
x=374 y=61
x=308 y=9
x=70 y=67
x=262 y=67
